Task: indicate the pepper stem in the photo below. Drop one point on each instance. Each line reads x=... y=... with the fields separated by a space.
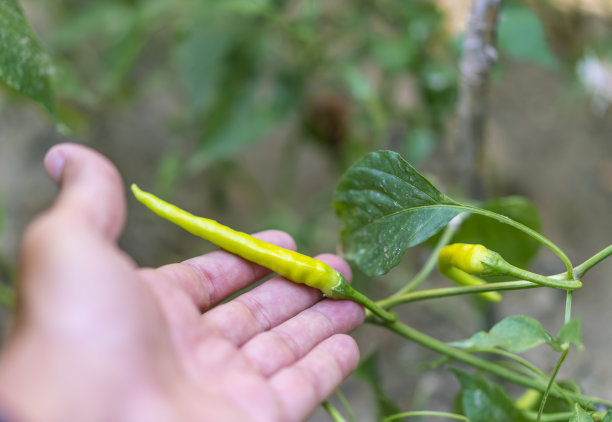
x=344 y=291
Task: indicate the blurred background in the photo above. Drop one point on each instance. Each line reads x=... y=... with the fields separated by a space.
x=248 y=112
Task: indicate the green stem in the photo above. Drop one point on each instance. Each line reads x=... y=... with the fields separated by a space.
x=537 y=236
x=480 y=363
x=528 y=365
x=430 y=264
x=333 y=412
x=552 y=380
x=550 y=417
x=568 y=306
x=579 y=271
x=582 y=269
x=349 y=293
x=426 y=413
x=393 y=301
x=517 y=272
x=346 y=404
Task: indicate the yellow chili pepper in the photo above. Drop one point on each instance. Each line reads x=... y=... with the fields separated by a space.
x=290 y=264
x=460 y=261
x=469 y=258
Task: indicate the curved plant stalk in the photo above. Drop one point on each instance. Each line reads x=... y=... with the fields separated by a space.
x=537 y=236
x=507 y=268
x=432 y=413
x=493 y=368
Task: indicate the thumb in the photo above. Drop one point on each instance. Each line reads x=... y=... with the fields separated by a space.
x=91 y=188
x=68 y=256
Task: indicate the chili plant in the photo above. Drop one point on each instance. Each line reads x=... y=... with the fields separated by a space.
x=386 y=207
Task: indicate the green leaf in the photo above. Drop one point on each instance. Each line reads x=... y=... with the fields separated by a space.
x=485 y=401
x=108 y=20
x=386 y=206
x=515 y=246
x=522 y=37
x=608 y=416
x=24 y=65
x=570 y=333
x=580 y=415
x=515 y=334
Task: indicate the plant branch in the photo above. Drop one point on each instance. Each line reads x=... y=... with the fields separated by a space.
x=550 y=417
x=534 y=234
x=393 y=301
x=478 y=56
x=582 y=269
x=552 y=380
x=524 y=362
x=462 y=356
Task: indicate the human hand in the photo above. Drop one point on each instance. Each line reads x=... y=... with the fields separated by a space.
x=98 y=339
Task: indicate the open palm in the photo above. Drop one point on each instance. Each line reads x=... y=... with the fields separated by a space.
x=98 y=339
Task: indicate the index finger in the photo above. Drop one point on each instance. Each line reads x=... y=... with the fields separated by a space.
x=208 y=279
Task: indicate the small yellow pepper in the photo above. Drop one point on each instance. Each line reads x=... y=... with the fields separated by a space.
x=460 y=262
x=470 y=258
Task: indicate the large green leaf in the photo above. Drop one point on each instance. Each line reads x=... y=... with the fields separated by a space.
x=386 y=206
x=515 y=334
x=484 y=401
x=515 y=246
x=24 y=65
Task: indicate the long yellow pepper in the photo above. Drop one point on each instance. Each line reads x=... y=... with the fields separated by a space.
x=290 y=264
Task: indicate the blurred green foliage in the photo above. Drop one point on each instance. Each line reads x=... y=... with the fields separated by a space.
x=244 y=68
x=521 y=36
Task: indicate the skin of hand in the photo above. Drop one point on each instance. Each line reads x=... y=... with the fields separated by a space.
x=96 y=338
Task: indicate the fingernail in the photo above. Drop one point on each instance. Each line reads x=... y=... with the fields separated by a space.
x=54 y=163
